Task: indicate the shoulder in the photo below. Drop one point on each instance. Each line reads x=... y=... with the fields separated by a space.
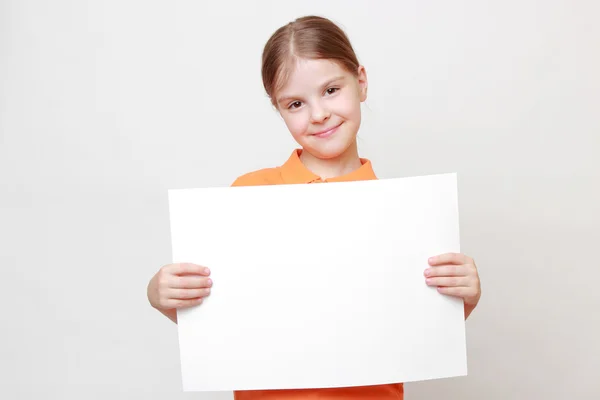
x=265 y=176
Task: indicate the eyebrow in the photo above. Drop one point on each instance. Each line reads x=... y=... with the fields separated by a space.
x=323 y=86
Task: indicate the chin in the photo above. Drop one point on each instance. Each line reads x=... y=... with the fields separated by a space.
x=328 y=149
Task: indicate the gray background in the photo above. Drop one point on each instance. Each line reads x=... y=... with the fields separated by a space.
x=106 y=105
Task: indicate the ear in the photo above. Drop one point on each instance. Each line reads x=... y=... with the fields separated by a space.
x=362 y=83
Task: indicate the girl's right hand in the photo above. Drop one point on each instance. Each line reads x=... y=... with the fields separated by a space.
x=179 y=285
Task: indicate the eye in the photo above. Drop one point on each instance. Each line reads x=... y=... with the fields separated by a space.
x=332 y=90
x=295 y=104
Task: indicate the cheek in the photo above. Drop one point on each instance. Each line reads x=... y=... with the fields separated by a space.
x=297 y=123
x=349 y=107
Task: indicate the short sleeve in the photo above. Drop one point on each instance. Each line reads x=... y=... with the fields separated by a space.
x=269 y=176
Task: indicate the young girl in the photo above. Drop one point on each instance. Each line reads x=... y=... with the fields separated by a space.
x=314 y=80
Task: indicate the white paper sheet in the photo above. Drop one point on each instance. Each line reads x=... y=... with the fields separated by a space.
x=319 y=285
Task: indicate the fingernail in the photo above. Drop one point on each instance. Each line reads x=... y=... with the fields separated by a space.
x=209 y=282
x=432 y=259
x=206 y=271
x=428 y=281
x=427 y=272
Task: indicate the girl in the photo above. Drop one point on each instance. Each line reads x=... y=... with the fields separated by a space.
x=314 y=80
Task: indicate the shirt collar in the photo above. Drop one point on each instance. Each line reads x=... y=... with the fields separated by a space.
x=294 y=172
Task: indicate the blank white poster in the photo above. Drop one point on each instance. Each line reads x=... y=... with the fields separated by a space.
x=319 y=285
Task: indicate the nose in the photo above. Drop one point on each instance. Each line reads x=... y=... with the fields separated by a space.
x=319 y=113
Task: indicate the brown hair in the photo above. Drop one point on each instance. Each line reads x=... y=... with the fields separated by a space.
x=309 y=37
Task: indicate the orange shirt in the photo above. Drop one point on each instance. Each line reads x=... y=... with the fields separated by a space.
x=294 y=172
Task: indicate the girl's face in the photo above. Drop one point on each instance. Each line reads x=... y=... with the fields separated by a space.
x=320 y=104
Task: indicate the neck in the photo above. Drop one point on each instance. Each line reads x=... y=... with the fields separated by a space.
x=343 y=164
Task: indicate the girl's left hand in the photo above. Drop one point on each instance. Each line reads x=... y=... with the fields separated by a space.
x=455 y=275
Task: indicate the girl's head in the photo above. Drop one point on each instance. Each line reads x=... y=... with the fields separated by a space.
x=314 y=79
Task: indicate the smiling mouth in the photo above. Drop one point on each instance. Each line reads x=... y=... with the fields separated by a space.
x=327 y=132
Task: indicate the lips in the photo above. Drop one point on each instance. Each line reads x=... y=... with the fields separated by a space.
x=327 y=132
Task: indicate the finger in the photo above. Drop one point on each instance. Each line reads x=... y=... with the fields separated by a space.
x=190 y=282
x=458 y=291
x=186 y=294
x=452 y=281
x=190 y=269
x=447 y=270
x=449 y=258
x=184 y=303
